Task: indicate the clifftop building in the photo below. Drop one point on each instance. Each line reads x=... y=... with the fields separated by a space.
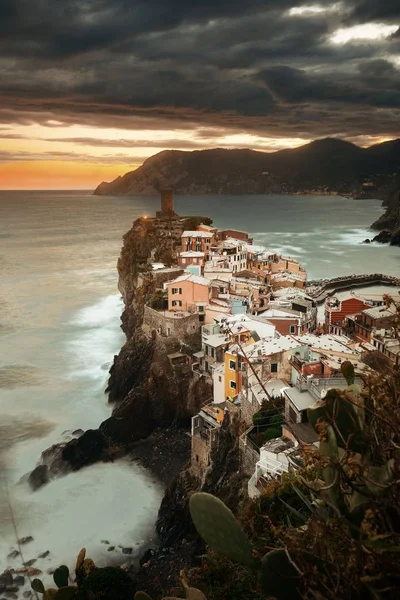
x=167 y=206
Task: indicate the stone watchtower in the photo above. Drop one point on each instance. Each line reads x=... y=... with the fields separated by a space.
x=167 y=206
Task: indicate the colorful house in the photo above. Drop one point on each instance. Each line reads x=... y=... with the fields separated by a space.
x=198 y=241
x=189 y=293
x=337 y=310
x=192 y=258
x=233 y=374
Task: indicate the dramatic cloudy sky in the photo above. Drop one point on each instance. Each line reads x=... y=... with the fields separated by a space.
x=89 y=88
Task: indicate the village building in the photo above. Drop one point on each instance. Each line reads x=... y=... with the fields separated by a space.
x=188 y=293
x=197 y=241
x=290 y=265
x=243 y=236
x=364 y=325
x=284 y=279
x=233 y=252
x=192 y=261
x=289 y=321
x=266 y=371
x=218 y=267
x=337 y=310
x=204 y=432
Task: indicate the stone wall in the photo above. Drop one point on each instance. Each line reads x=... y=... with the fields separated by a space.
x=200 y=456
x=249 y=455
x=185 y=328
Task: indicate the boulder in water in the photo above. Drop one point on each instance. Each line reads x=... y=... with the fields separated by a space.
x=13 y=555
x=6 y=578
x=25 y=540
x=85 y=450
x=383 y=237
x=39 y=477
x=29 y=563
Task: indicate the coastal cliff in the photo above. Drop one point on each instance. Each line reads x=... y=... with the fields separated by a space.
x=149 y=391
x=327 y=166
x=389 y=223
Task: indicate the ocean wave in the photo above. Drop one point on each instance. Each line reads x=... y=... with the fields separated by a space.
x=100 y=313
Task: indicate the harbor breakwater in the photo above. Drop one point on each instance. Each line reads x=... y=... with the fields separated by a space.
x=320 y=289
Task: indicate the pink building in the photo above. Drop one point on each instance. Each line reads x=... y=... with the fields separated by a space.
x=188 y=293
x=191 y=257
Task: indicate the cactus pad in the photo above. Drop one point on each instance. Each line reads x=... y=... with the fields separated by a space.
x=278 y=576
x=219 y=528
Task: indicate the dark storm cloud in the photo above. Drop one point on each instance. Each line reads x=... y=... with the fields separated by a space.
x=226 y=64
x=374 y=10
x=377 y=85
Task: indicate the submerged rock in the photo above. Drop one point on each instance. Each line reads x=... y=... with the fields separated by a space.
x=87 y=449
x=6 y=578
x=383 y=237
x=29 y=563
x=25 y=540
x=13 y=555
x=39 y=477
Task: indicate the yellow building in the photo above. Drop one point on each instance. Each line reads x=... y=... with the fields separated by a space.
x=233 y=374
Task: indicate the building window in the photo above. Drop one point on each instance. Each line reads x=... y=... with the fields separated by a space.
x=232 y=385
x=184 y=261
x=232 y=365
x=293 y=329
x=212 y=352
x=176 y=302
x=177 y=290
x=201 y=308
x=219 y=378
x=274 y=367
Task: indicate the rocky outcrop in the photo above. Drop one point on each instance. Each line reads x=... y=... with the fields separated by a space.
x=179 y=543
x=147 y=389
x=389 y=223
x=328 y=165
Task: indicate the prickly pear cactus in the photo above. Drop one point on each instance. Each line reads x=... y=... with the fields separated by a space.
x=219 y=528
x=61 y=576
x=279 y=577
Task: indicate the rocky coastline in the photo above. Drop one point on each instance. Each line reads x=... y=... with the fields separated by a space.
x=153 y=402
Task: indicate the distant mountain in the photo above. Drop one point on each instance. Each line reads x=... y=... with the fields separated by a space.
x=324 y=166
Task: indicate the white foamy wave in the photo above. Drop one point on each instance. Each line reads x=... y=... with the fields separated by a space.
x=97 y=338
x=352 y=237
x=100 y=313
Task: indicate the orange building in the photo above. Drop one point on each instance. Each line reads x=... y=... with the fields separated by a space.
x=198 y=241
x=292 y=265
x=337 y=310
x=191 y=257
x=188 y=293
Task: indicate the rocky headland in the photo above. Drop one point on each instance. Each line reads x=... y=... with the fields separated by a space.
x=146 y=389
x=327 y=166
x=153 y=402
